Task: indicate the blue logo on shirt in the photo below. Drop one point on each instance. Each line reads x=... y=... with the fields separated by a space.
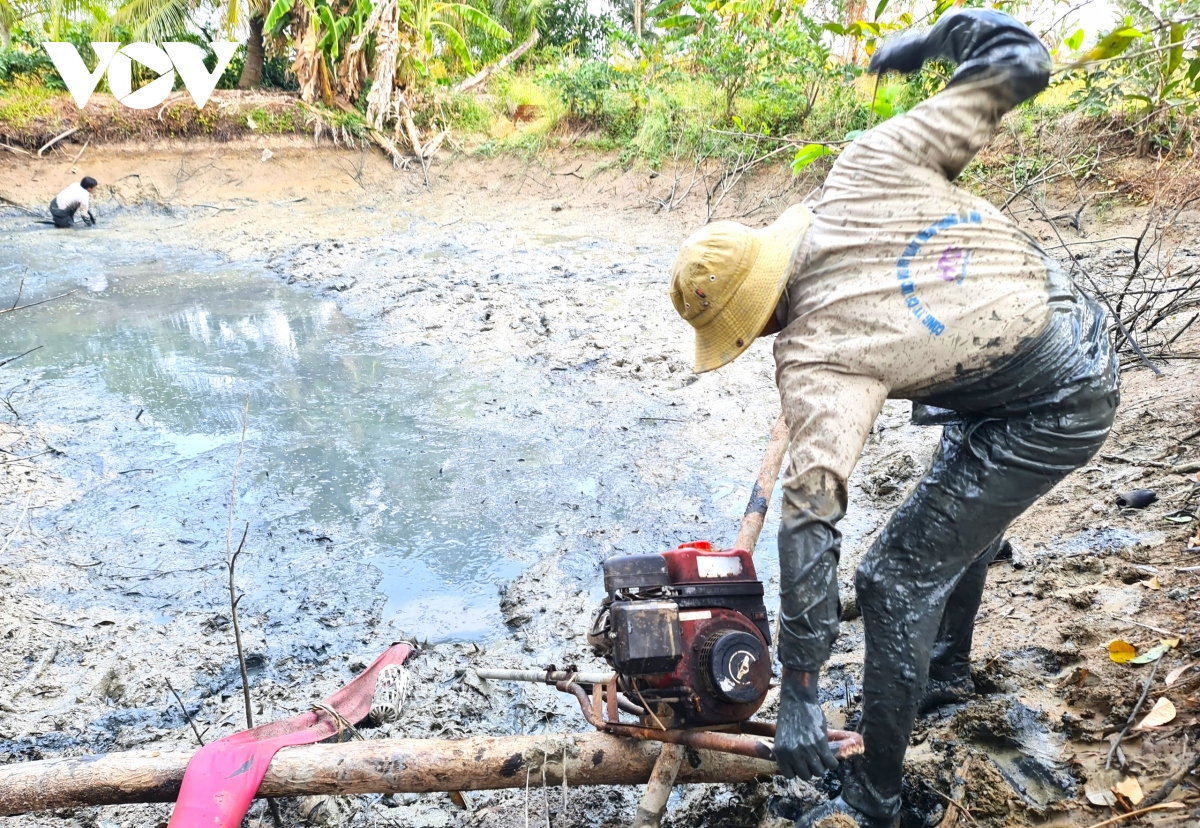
x=952 y=266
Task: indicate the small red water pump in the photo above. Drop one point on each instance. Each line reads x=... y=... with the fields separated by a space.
x=687 y=628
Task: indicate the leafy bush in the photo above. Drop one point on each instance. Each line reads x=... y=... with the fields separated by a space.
x=582 y=87
x=19 y=63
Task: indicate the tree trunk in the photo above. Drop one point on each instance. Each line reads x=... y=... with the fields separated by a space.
x=373 y=766
x=5 y=35
x=252 y=69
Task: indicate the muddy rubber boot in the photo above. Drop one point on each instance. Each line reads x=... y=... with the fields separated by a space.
x=950 y=661
x=837 y=813
x=939 y=692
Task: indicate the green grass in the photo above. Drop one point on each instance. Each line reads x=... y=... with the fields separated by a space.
x=21 y=105
x=282 y=121
x=646 y=122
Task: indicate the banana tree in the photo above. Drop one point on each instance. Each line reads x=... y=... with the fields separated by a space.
x=439 y=31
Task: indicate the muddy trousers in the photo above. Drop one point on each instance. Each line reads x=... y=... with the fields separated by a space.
x=61 y=217
x=1023 y=428
x=950 y=659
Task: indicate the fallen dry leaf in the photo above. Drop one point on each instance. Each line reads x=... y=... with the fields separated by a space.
x=1101 y=797
x=1174 y=675
x=1152 y=583
x=1170 y=642
x=1130 y=789
x=1121 y=651
x=1162 y=712
x=1098 y=788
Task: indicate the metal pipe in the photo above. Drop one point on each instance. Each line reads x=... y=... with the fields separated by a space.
x=546 y=677
x=843 y=743
x=699 y=739
x=585 y=704
x=628 y=706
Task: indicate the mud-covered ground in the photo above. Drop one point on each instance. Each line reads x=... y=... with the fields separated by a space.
x=525 y=308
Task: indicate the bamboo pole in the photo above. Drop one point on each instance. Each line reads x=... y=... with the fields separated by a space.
x=373 y=766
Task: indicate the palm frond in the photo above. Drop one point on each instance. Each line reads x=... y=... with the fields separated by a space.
x=152 y=20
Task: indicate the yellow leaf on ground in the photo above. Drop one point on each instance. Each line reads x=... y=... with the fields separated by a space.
x=1162 y=712
x=1152 y=583
x=1170 y=642
x=1130 y=789
x=1121 y=651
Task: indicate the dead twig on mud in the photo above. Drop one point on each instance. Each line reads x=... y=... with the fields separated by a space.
x=79 y=154
x=234 y=600
x=1173 y=781
x=1116 y=743
x=17 y=525
x=1150 y=627
x=728 y=177
x=29 y=679
x=1161 y=807
x=1096 y=288
x=957 y=791
x=231 y=556
x=186 y=714
x=20 y=207
x=18 y=356
x=962 y=809
x=673 y=198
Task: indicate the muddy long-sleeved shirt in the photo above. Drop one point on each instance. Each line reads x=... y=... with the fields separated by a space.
x=73 y=198
x=905 y=282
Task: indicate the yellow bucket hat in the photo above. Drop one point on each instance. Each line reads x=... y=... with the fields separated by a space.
x=727 y=280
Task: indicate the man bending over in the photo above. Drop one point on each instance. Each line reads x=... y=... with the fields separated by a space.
x=890 y=282
x=76 y=197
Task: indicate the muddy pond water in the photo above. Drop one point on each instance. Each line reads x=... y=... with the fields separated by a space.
x=378 y=482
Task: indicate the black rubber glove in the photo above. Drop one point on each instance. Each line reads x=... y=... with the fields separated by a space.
x=809 y=546
x=91 y=218
x=801 y=740
x=981 y=42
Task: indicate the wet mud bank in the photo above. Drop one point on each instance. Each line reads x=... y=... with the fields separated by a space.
x=461 y=401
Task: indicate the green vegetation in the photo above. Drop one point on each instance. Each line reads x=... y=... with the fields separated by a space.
x=683 y=79
x=21 y=105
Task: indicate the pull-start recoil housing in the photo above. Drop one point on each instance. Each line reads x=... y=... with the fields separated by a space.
x=687 y=628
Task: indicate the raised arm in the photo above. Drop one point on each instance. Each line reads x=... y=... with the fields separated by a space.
x=1001 y=63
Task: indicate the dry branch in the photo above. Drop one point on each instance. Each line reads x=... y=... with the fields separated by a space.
x=231 y=557
x=376 y=766
x=56 y=139
x=486 y=72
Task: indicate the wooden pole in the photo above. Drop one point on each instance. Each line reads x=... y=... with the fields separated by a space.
x=658 y=790
x=374 y=766
x=764 y=485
